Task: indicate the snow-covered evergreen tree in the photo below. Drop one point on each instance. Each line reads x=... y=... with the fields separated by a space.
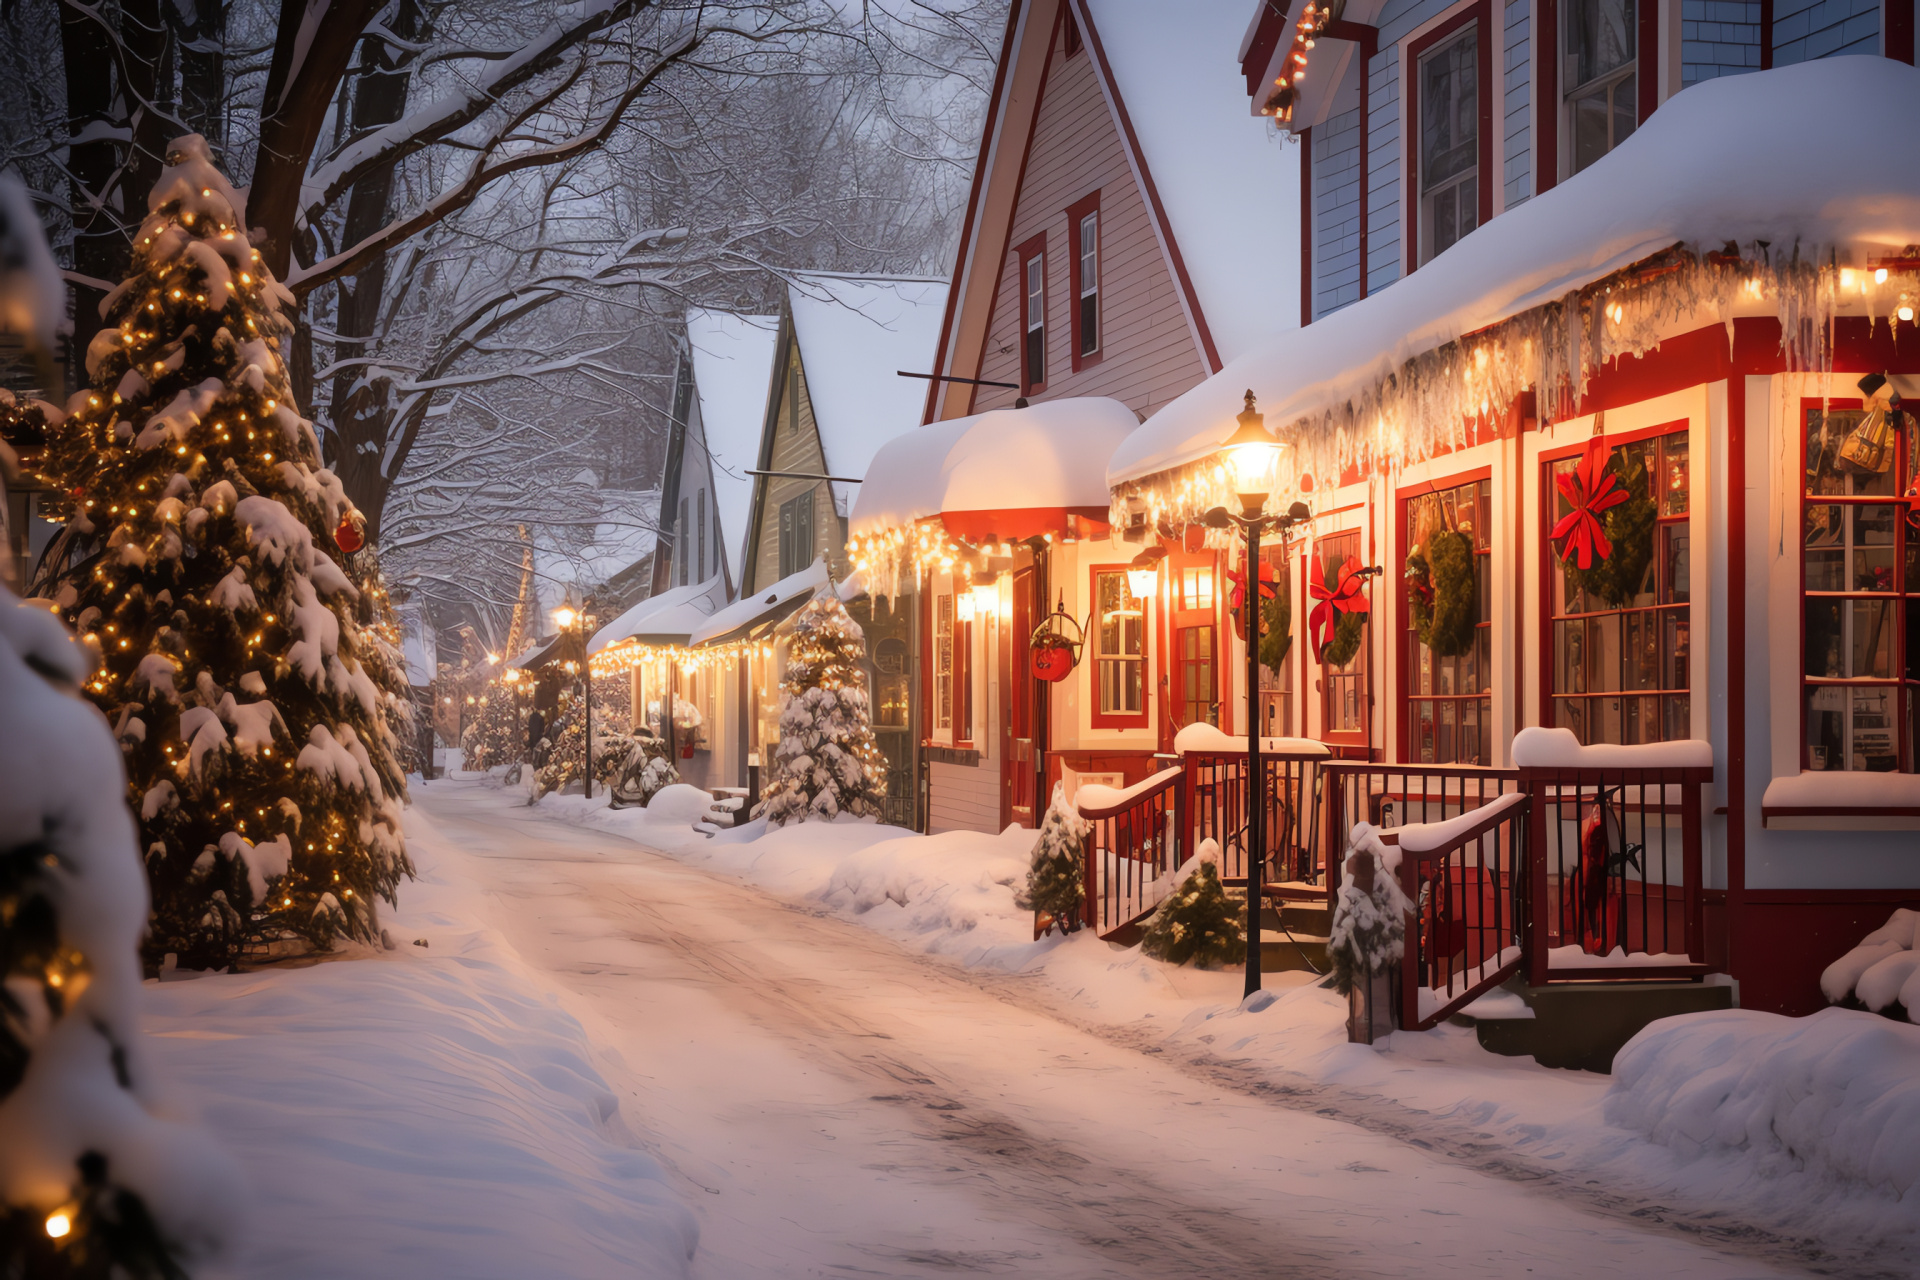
x=827 y=762
x=1056 y=885
x=203 y=560
x=497 y=733
x=1199 y=922
x=92 y=1183
x=1369 y=921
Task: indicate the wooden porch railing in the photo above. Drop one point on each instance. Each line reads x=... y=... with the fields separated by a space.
x=1392 y=795
x=1134 y=845
x=1616 y=871
x=1466 y=877
x=1216 y=803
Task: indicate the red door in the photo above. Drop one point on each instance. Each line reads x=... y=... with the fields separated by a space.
x=1020 y=752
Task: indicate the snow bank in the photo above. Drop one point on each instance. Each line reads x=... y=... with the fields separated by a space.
x=1881 y=969
x=425 y=1111
x=1844 y=788
x=1834 y=1097
x=1538 y=748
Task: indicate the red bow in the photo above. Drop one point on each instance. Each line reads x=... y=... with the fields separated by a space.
x=1337 y=595
x=1237 y=598
x=1590 y=489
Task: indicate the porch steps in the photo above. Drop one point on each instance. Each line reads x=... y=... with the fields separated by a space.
x=1582 y=1025
x=1293 y=935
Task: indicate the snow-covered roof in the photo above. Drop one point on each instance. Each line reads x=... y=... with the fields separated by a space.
x=1230 y=191
x=732 y=371
x=772 y=604
x=668 y=618
x=1049 y=456
x=855 y=333
x=1719 y=162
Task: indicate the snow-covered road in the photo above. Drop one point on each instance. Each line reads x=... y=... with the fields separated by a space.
x=838 y=1106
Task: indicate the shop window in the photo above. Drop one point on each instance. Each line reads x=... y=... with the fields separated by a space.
x=1860 y=565
x=1450 y=141
x=1449 y=703
x=943 y=663
x=1276 y=687
x=1620 y=666
x=1083 y=224
x=1345 y=695
x=1120 y=659
x=1033 y=314
x=1602 y=107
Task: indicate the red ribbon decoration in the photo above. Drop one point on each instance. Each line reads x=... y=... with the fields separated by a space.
x=1237 y=598
x=1590 y=489
x=1342 y=596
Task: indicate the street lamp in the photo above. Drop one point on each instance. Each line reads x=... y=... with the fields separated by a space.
x=577 y=623
x=1253 y=458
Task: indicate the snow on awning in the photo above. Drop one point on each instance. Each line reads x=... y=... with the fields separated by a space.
x=668 y=618
x=1004 y=475
x=1800 y=193
x=741 y=617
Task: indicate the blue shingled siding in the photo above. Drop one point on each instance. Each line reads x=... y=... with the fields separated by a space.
x=1718 y=38
x=1804 y=31
x=1518 y=104
x=1383 y=170
x=1336 y=213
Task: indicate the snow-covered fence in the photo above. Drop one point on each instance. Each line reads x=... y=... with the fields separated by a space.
x=1391 y=795
x=1465 y=876
x=1615 y=854
x=1133 y=847
x=1216 y=801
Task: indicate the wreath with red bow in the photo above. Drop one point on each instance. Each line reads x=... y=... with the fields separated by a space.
x=1606 y=538
x=1339 y=617
x=1276 y=613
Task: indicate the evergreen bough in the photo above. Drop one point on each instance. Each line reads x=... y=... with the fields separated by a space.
x=1445 y=564
x=827 y=762
x=1199 y=922
x=242 y=667
x=1369 y=920
x=1056 y=886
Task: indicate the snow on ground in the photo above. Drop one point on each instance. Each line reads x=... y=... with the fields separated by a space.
x=951 y=896
x=429 y=1111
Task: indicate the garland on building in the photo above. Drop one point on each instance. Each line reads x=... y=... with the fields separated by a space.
x=1608 y=535
x=1442 y=593
x=1056 y=880
x=202 y=559
x=1199 y=922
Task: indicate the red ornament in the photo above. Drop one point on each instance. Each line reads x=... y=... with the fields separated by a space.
x=1590 y=490
x=348 y=535
x=1052 y=663
x=1338 y=595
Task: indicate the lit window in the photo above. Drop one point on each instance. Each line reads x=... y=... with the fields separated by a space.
x=943 y=662
x=1449 y=699
x=1120 y=646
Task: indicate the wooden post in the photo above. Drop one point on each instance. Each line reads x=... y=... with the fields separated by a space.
x=1535 y=940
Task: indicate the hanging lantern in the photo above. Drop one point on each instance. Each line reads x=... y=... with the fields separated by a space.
x=351 y=535
x=1054 y=653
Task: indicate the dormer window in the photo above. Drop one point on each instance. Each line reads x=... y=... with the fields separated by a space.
x=1602 y=106
x=1449 y=141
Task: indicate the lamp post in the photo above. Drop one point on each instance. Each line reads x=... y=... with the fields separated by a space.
x=577 y=623
x=1253 y=456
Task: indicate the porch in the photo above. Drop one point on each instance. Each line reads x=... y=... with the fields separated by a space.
x=1578 y=866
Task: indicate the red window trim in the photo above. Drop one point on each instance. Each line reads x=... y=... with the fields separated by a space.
x=1071 y=41
x=1403 y=606
x=1361 y=737
x=1543 y=611
x=1027 y=252
x=1076 y=211
x=1112 y=719
x=1480 y=11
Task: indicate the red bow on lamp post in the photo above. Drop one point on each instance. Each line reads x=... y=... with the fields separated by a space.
x=1589 y=489
x=1237 y=597
x=1342 y=596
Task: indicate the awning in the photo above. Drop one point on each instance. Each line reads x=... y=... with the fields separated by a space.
x=668 y=618
x=738 y=620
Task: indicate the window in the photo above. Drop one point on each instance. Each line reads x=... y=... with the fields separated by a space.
x=1450 y=141
x=1602 y=108
x=1620 y=671
x=1449 y=705
x=1276 y=687
x=1193 y=619
x=1860 y=562
x=1120 y=658
x=943 y=662
x=1033 y=314
x=796 y=534
x=1083 y=223
x=1344 y=695
x=684 y=536
x=700 y=551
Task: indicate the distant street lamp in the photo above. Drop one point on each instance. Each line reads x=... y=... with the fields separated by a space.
x=1253 y=459
x=578 y=625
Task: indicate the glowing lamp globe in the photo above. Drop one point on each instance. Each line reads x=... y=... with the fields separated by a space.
x=563 y=618
x=1140 y=582
x=1253 y=456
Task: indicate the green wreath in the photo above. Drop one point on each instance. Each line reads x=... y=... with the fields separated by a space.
x=1629 y=527
x=1276 y=618
x=1347 y=634
x=1446 y=622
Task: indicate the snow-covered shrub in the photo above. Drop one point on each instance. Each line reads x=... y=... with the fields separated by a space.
x=1199 y=922
x=204 y=558
x=1883 y=970
x=827 y=762
x=1056 y=876
x=92 y=1183
x=680 y=803
x=496 y=734
x=1369 y=931
x=643 y=769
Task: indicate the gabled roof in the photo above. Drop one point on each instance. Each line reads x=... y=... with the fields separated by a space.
x=732 y=371
x=1222 y=189
x=855 y=334
x=668 y=618
x=769 y=604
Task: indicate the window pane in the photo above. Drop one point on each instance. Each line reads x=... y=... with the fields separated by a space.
x=1640 y=654
x=1589 y=126
x=1823 y=638
x=1599 y=38
x=1449 y=116
x=1872 y=638
x=1677 y=579
x=1674 y=656
x=1872 y=547
x=1675 y=489
x=1603 y=656
x=1826 y=556
x=1626 y=109
x=1871 y=740
x=1089 y=323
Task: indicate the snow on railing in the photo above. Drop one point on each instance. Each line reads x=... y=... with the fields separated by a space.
x=1133 y=844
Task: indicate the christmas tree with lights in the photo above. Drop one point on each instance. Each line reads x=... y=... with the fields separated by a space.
x=205 y=559
x=496 y=733
x=827 y=762
x=1056 y=875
